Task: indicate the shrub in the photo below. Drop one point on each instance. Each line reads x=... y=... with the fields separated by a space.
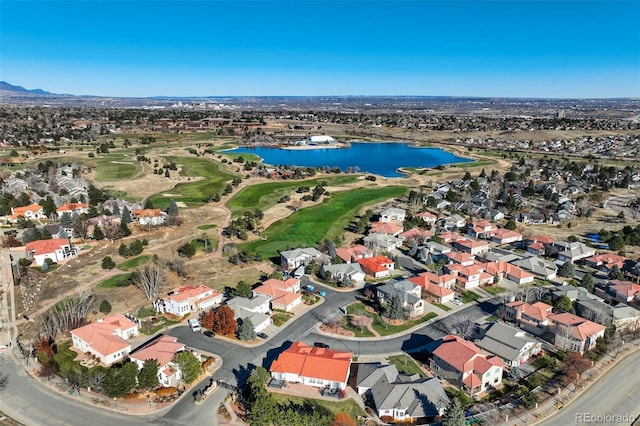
x=105 y=307
x=170 y=391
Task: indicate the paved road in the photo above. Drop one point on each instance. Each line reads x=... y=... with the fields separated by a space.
x=616 y=393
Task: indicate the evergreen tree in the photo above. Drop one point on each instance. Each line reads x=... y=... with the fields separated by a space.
x=105 y=307
x=31 y=234
x=243 y=290
x=123 y=250
x=172 y=208
x=189 y=365
x=120 y=381
x=563 y=303
x=148 y=375
x=148 y=204
x=135 y=248
x=566 y=270
x=115 y=208
x=66 y=221
x=126 y=215
x=414 y=248
x=108 y=263
x=394 y=307
x=616 y=273
x=454 y=415
x=124 y=229
x=97 y=233
x=246 y=331
x=587 y=282
x=45 y=234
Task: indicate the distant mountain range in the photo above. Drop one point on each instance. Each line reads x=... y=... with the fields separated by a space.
x=19 y=89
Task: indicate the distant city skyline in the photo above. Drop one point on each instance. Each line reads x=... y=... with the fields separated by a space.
x=505 y=48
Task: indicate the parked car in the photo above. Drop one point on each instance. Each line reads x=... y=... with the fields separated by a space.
x=262 y=336
x=321 y=345
x=194 y=324
x=209 y=333
x=457 y=301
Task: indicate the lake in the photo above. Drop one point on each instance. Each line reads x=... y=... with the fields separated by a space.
x=381 y=158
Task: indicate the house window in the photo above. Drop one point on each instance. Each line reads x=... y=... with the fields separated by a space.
x=496 y=380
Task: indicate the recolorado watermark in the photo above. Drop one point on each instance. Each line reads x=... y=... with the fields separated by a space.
x=604 y=418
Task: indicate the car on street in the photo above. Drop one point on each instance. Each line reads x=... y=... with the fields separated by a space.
x=209 y=333
x=321 y=345
x=262 y=336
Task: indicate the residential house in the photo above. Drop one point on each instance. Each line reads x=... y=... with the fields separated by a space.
x=464 y=364
x=150 y=217
x=392 y=215
x=352 y=272
x=162 y=350
x=454 y=222
x=379 y=243
x=58 y=250
x=416 y=234
x=352 y=253
x=474 y=247
x=624 y=291
x=606 y=261
x=283 y=295
x=468 y=277
x=293 y=259
x=575 y=333
x=573 y=251
x=410 y=295
x=497 y=254
x=532 y=318
x=428 y=217
x=482 y=229
x=30 y=212
x=537 y=266
x=401 y=397
x=464 y=259
x=625 y=318
x=312 y=366
x=506 y=236
x=511 y=344
x=511 y=272
x=105 y=338
x=72 y=208
x=254 y=309
x=386 y=228
x=186 y=299
x=377 y=266
x=451 y=236
x=436 y=287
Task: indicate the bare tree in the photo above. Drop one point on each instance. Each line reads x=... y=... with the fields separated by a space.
x=149 y=279
x=461 y=326
x=71 y=312
x=176 y=266
x=111 y=230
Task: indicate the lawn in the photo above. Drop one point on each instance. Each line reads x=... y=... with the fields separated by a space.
x=109 y=167
x=207 y=226
x=161 y=324
x=349 y=406
x=308 y=226
x=443 y=307
x=266 y=195
x=64 y=358
x=385 y=329
x=114 y=281
x=279 y=318
x=469 y=296
x=134 y=262
x=494 y=289
x=195 y=193
x=406 y=365
x=356 y=330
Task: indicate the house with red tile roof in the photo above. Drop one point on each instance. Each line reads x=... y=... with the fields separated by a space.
x=536 y=248
x=624 y=291
x=386 y=228
x=162 y=350
x=58 y=250
x=377 y=266
x=574 y=333
x=427 y=217
x=30 y=212
x=468 y=277
x=430 y=284
x=464 y=259
x=186 y=299
x=312 y=366
x=416 y=234
x=105 y=338
x=283 y=295
x=350 y=254
x=506 y=236
x=532 y=318
x=150 y=217
x=511 y=272
x=606 y=261
x=450 y=236
x=71 y=208
x=482 y=229
x=461 y=362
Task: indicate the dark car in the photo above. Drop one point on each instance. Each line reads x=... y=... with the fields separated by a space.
x=209 y=333
x=262 y=336
x=321 y=345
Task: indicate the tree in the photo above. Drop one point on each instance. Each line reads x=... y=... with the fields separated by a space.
x=563 y=303
x=566 y=270
x=97 y=233
x=187 y=250
x=111 y=230
x=149 y=279
x=108 y=263
x=115 y=209
x=453 y=415
x=587 y=282
x=243 y=290
x=615 y=273
x=123 y=250
x=394 y=307
x=80 y=227
x=66 y=221
x=207 y=319
x=224 y=322
x=105 y=307
x=148 y=204
x=124 y=229
x=246 y=330
x=414 y=248
x=126 y=215
x=511 y=225
x=189 y=365
x=574 y=365
x=343 y=419
x=136 y=247
x=148 y=375
x=120 y=381
x=172 y=208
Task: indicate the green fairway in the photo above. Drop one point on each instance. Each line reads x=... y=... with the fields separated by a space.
x=308 y=226
x=108 y=167
x=132 y=263
x=266 y=195
x=195 y=193
x=114 y=281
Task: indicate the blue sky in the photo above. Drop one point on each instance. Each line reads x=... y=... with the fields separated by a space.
x=512 y=48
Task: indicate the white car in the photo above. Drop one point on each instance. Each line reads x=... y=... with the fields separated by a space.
x=457 y=301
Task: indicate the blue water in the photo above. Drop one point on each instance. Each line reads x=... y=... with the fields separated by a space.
x=378 y=158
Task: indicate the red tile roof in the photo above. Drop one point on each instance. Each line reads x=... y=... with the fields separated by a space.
x=148 y=213
x=376 y=263
x=21 y=211
x=161 y=350
x=355 y=252
x=319 y=363
x=281 y=292
x=580 y=328
x=386 y=228
x=101 y=336
x=464 y=355
x=45 y=246
x=188 y=292
x=71 y=207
